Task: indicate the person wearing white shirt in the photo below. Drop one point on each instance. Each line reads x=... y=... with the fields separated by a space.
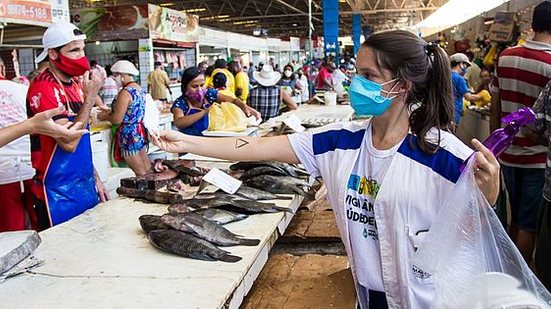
x=387 y=177
x=339 y=78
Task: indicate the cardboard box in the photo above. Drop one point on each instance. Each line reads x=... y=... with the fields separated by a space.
x=503 y=27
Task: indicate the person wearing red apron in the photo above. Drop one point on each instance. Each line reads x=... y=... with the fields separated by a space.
x=65 y=184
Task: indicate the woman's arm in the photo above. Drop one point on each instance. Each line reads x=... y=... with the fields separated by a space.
x=288 y=100
x=116 y=115
x=249 y=111
x=275 y=148
x=184 y=121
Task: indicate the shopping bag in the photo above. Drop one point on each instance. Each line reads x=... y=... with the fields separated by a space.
x=227 y=117
x=466 y=240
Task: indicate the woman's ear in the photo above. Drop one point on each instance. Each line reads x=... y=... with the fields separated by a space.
x=406 y=86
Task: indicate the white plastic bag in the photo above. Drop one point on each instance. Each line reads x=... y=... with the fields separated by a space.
x=466 y=240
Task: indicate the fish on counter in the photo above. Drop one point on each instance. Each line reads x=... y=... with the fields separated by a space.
x=151 y=195
x=206 y=229
x=180 y=208
x=152 y=222
x=262 y=170
x=189 y=246
x=220 y=216
x=233 y=203
x=288 y=169
x=280 y=184
x=152 y=181
x=257 y=194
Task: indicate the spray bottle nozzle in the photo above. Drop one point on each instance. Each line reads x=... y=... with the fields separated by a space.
x=520 y=118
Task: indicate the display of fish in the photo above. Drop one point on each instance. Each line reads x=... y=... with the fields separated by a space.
x=221 y=216
x=257 y=194
x=252 y=207
x=151 y=195
x=233 y=203
x=262 y=170
x=186 y=167
x=151 y=222
x=189 y=246
x=286 y=168
x=180 y=208
x=206 y=229
x=279 y=184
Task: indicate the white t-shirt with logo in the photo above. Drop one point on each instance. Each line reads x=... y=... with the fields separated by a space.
x=362 y=188
x=15 y=157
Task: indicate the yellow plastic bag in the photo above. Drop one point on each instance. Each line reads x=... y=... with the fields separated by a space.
x=491 y=56
x=227 y=117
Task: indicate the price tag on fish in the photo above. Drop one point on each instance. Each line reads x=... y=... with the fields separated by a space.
x=222 y=180
x=294 y=123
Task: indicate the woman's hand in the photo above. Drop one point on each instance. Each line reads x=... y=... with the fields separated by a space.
x=486 y=172
x=42 y=123
x=103 y=113
x=249 y=111
x=170 y=140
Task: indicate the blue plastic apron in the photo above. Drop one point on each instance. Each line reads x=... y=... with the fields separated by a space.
x=69 y=184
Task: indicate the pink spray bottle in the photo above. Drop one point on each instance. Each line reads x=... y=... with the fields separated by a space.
x=502 y=138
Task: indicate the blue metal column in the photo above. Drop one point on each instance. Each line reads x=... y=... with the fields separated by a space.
x=356 y=31
x=331 y=28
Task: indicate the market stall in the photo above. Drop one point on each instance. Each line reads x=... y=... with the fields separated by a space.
x=22 y=23
x=112 y=264
x=151 y=33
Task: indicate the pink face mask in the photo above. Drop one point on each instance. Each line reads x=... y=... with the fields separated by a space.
x=197 y=96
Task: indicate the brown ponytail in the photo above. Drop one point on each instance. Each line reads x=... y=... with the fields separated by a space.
x=426 y=67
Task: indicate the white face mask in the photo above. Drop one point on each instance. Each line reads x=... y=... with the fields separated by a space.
x=288 y=73
x=118 y=80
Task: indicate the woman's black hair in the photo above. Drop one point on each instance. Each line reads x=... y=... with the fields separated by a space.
x=189 y=74
x=426 y=68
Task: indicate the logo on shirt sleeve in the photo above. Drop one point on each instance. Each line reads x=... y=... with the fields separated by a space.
x=35 y=101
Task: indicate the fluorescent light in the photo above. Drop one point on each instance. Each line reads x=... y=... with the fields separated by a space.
x=454 y=12
x=167 y=4
x=194 y=10
x=489 y=22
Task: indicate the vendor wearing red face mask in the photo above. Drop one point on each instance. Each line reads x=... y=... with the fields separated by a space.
x=66 y=183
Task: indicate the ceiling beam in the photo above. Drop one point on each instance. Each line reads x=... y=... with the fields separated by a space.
x=295 y=9
x=377 y=11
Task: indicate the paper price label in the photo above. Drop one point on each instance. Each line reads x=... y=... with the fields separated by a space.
x=294 y=123
x=222 y=180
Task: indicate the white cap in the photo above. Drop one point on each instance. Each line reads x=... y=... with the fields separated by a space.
x=59 y=34
x=125 y=67
x=460 y=57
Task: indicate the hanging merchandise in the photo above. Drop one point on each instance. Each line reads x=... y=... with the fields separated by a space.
x=491 y=56
x=503 y=27
x=476 y=243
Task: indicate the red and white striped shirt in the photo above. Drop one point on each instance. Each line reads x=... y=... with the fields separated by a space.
x=521 y=74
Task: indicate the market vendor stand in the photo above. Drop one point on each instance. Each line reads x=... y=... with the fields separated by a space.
x=102 y=258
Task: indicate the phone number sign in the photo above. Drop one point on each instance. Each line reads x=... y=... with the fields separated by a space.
x=26 y=11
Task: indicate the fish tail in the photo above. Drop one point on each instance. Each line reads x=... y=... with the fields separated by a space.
x=284 y=209
x=229 y=258
x=248 y=241
x=304 y=193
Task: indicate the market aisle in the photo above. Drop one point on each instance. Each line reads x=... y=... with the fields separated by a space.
x=309 y=281
x=308 y=267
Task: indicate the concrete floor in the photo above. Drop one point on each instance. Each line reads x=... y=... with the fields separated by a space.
x=307 y=267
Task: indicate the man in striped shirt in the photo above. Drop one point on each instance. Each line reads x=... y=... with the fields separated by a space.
x=542 y=108
x=521 y=74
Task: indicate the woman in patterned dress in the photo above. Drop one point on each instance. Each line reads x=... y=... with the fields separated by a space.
x=130 y=139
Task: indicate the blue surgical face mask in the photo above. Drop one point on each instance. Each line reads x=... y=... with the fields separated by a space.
x=366 y=96
x=463 y=70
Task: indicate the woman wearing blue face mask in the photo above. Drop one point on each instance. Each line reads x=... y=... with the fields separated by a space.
x=387 y=177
